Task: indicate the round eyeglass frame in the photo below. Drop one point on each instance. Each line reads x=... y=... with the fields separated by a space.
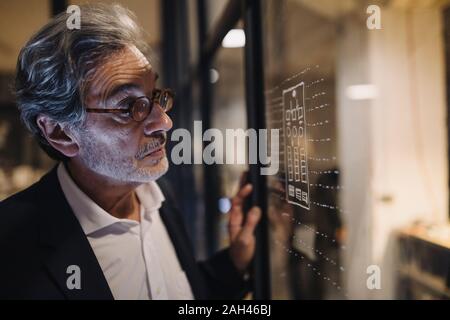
x=141 y=107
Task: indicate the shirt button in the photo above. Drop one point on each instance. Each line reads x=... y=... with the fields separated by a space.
x=158 y=291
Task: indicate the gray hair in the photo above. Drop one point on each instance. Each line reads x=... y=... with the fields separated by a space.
x=54 y=67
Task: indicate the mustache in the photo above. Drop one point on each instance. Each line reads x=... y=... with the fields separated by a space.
x=157 y=141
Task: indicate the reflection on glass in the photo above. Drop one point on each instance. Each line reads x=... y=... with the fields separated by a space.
x=361 y=112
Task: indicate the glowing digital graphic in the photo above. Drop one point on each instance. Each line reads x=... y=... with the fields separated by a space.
x=296 y=160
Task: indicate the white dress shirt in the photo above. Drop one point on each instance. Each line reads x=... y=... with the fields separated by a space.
x=138 y=259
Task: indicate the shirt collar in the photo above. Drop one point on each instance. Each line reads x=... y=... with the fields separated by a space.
x=91 y=216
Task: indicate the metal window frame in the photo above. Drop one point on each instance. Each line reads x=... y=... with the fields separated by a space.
x=254 y=72
x=250 y=12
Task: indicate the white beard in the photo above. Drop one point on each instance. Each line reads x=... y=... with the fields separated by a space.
x=121 y=169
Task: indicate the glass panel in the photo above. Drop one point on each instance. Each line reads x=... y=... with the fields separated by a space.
x=228 y=113
x=358 y=94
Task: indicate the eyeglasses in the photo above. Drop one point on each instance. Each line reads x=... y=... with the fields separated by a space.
x=140 y=107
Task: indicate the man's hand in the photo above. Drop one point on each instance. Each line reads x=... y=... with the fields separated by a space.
x=242 y=239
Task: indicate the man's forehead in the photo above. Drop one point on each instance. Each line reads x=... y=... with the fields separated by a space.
x=128 y=65
x=129 y=54
x=128 y=58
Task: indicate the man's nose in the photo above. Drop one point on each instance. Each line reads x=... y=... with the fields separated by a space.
x=158 y=120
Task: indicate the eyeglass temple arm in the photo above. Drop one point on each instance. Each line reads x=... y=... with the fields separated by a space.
x=93 y=110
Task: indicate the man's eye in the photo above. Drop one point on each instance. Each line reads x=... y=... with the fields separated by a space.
x=125 y=103
x=124 y=115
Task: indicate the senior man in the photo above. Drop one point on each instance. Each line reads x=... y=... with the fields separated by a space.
x=98 y=226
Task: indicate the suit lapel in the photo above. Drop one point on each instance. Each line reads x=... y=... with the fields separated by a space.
x=64 y=244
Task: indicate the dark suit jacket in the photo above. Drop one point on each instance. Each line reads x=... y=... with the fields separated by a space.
x=40 y=237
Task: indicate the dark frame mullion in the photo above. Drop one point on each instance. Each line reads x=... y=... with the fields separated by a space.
x=254 y=72
x=175 y=62
x=210 y=172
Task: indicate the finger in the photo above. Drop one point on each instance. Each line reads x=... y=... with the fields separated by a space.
x=236 y=213
x=279 y=187
x=253 y=217
x=235 y=225
x=235 y=221
x=239 y=198
x=243 y=179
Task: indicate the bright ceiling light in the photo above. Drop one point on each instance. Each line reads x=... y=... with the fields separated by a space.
x=362 y=92
x=235 y=38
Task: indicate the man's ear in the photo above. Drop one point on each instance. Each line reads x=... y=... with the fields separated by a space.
x=57 y=137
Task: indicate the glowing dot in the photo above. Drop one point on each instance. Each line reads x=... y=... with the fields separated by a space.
x=224 y=205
